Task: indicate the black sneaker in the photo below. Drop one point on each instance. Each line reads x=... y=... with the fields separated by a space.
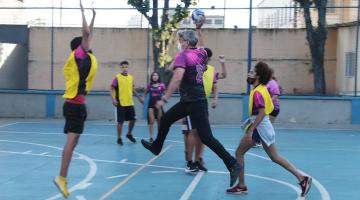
x=234 y=173
x=119 y=141
x=200 y=166
x=150 y=147
x=131 y=138
x=191 y=167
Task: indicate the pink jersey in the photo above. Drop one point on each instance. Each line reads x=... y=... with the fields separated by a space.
x=274 y=89
x=258 y=102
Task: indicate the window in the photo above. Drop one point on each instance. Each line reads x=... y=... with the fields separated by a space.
x=350 y=64
x=219 y=21
x=330 y=3
x=208 y=21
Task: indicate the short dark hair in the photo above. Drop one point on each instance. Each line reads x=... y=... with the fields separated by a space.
x=209 y=52
x=75 y=42
x=124 y=63
x=264 y=72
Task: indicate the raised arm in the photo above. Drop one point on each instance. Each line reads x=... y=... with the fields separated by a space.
x=91 y=27
x=223 y=73
x=85 y=43
x=200 y=36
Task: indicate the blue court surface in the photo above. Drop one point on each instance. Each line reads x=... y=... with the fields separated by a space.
x=30 y=153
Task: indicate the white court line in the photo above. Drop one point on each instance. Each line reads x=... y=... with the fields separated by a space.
x=80 y=198
x=324 y=193
x=127 y=179
x=82 y=183
x=189 y=190
x=230 y=126
x=295 y=188
x=163 y=172
x=117 y=176
x=5 y=125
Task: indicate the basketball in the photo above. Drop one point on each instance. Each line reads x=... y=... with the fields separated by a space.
x=197 y=16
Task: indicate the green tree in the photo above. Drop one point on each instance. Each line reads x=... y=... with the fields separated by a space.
x=316 y=37
x=163 y=31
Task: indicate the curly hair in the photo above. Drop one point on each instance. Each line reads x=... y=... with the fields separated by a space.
x=264 y=72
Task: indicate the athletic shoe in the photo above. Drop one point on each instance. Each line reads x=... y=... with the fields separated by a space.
x=150 y=147
x=119 y=141
x=305 y=185
x=257 y=145
x=131 y=138
x=191 y=167
x=200 y=166
x=234 y=173
x=237 y=190
x=61 y=184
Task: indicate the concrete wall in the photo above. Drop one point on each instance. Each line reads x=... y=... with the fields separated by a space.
x=346 y=43
x=285 y=50
x=232 y=109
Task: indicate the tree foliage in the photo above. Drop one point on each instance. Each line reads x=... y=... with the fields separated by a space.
x=163 y=31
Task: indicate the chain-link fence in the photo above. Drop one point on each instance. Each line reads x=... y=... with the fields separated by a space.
x=246 y=31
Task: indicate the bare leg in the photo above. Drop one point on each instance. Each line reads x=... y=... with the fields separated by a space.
x=199 y=146
x=119 y=129
x=72 y=140
x=276 y=158
x=131 y=126
x=243 y=147
x=188 y=154
x=191 y=142
x=151 y=122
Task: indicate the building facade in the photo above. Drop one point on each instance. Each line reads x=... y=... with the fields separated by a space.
x=288 y=14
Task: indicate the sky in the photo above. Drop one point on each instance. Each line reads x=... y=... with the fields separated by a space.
x=119 y=18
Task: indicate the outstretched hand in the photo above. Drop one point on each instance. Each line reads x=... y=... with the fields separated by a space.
x=81 y=6
x=221 y=59
x=200 y=23
x=93 y=9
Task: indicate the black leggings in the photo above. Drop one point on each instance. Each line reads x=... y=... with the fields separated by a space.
x=199 y=119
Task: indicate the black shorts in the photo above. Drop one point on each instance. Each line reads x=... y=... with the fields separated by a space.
x=186 y=124
x=256 y=137
x=152 y=101
x=75 y=116
x=125 y=113
x=275 y=113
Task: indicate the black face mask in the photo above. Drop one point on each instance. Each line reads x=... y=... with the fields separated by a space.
x=250 y=80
